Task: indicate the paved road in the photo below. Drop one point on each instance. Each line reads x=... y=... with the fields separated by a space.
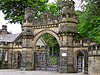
x=16 y=72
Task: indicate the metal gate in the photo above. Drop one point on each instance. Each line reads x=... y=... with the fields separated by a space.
x=44 y=61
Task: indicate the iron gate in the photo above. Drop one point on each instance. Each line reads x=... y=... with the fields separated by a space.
x=44 y=61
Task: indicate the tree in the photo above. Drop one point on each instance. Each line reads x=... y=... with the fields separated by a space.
x=14 y=9
x=89 y=20
x=51 y=42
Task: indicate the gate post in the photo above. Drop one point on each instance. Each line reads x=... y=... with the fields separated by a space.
x=68 y=28
x=67 y=53
x=27 y=37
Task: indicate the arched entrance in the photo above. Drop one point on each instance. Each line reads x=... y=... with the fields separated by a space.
x=46 y=57
x=62 y=28
x=82 y=61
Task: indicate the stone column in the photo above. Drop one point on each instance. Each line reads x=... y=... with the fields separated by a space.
x=27 y=59
x=27 y=53
x=67 y=54
x=66 y=60
x=27 y=37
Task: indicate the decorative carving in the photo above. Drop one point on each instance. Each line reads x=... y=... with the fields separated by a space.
x=29 y=14
x=44 y=18
x=67 y=8
x=63 y=28
x=71 y=8
x=64 y=11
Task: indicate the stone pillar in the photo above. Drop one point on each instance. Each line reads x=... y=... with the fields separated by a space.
x=68 y=27
x=67 y=54
x=27 y=52
x=27 y=37
x=66 y=60
x=27 y=59
x=86 y=62
x=94 y=60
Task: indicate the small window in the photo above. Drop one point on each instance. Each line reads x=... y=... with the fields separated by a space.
x=28 y=30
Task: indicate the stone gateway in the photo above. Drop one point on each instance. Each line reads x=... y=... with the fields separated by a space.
x=75 y=55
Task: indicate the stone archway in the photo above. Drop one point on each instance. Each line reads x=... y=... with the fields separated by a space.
x=62 y=28
x=43 y=60
x=38 y=35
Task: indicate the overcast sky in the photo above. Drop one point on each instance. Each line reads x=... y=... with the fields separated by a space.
x=16 y=28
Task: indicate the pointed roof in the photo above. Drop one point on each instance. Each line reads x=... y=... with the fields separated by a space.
x=13 y=37
x=9 y=37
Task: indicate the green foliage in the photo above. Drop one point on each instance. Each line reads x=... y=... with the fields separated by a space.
x=51 y=42
x=89 y=20
x=14 y=9
x=53 y=8
x=53 y=60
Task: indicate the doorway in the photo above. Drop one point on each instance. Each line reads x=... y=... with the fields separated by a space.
x=19 y=58
x=47 y=53
x=80 y=62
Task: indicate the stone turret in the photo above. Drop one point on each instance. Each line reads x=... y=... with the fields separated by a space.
x=27 y=37
x=4 y=29
x=67 y=30
x=69 y=20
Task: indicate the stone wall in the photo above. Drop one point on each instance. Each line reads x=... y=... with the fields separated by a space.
x=94 y=65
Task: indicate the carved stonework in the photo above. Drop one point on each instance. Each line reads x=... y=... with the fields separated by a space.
x=67 y=8
x=63 y=28
x=29 y=14
x=64 y=11
x=45 y=17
